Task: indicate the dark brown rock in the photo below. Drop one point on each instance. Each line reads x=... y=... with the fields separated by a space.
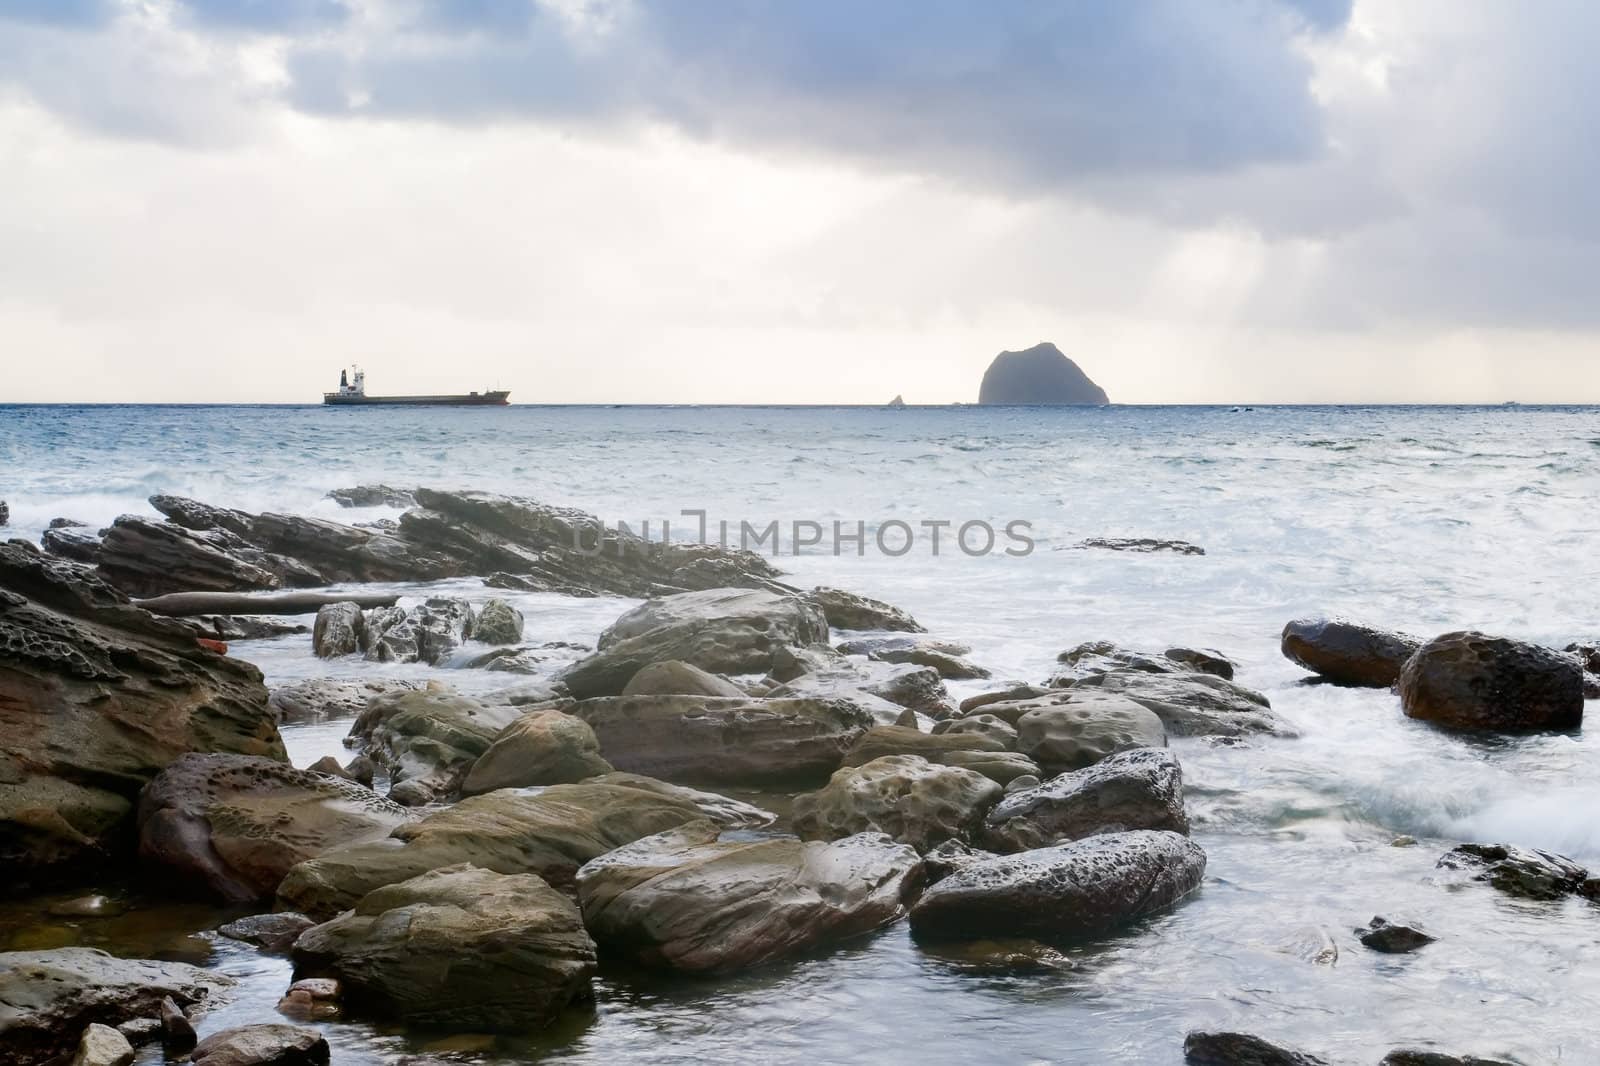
x=1348 y=653
x=1471 y=681
x=1392 y=938
x=1138 y=789
x=1240 y=1049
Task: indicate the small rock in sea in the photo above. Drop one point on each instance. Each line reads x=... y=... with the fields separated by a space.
x=1014 y=956
x=88 y=907
x=1403 y=841
x=1471 y=681
x=1393 y=938
x=1203 y=660
x=498 y=623
x=914 y=801
x=1343 y=652
x=1143 y=545
x=65 y=523
x=340 y=630
x=1241 y=1049
x=5 y=512
x=263 y=1045
x=1525 y=872
x=848 y=610
x=177 y=1032
x=1421 y=1057
x=273 y=933
x=372 y=496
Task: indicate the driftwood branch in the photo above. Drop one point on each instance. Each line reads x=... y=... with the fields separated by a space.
x=187 y=604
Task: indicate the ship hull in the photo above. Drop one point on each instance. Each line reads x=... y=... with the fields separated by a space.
x=477 y=399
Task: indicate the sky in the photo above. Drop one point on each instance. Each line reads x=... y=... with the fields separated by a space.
x=754 y=201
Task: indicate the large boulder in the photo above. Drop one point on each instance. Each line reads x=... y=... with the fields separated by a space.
x=339 y=630
x=234 y=825
x=270 y=1044
x=539 y=748
x=1084 y=888
x=1139 y=789
x=317 y=699
x=145 y=557
x=96 y=698
x=1346 y=652
x=1038 y=375
x=684 y=899
x=429 y=738
x=729 y=631
x=498 y=623
x=1193 y=704
x=914 y=801
x=550 y=833
x=458 y=948
x=47 y=998
x=1070 y=730
x=848 y=610
x=724 y=740
x=1471 y=681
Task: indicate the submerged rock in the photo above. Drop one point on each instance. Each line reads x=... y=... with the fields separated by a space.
x=50 y=996
x=539 y=748
x=685 y=900
x=459 y=947
x=906 y=797
x=1143 y=545
x=1392 y=938
x=262 y=1045
x=1240 y=1049
x=1038 y=375
x=234 y=825
x=273 y=933
x=1423 y=1057
x=1138 y=789
x=96 y=697
x=1348 y=653
x=723 y=739
x=1526 y=872
x=498 y=623
x=847 y=610
x=730 y=631
x=1471 y=681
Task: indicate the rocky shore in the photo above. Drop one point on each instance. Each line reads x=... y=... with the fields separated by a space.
x=734 y=773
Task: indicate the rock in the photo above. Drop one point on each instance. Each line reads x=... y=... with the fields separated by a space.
x=102 y=1045
x=349 y=553
x=1101 y=657
x=1472 y=681
x=141 y=1031
x=1193 y=704
x=1038 y=375
x=898 y=401
x=96 y=697
x=984 y=725
x=262 y=1045
x=416 y=793
x=234 y=825
x=550 y=833
x=330 y=766
x=731 y=631
x=431 y=738
x=93 y=906
x=1240 y=1049
x=1011 y=695
x=1420 y=1057
x=339 y=631
x=244 y=627
x=674 y=678
x=49 y=997
x=947 y=858
x=1348 y=653
x=934 y=654
x=847 y=610
x=312 y=999
x=373 y=496
x=724 y=740
x=498 y=623
x=5 y=512
x=1138 y=789
x=881 y=688
x=1392 y=938
x=1204 y=661
x=79 y=545
x=898 y=740
x=539 y=748
x=177 y=1032
x=1087 y=887
x=459 y=947
x=272 y=933
x=442 y=625
x=65 y=523
x=148 y=558
x=201 y=517
x=1001 y=767
x=1079 y=729
x=1143 y=545
x=685 y=900
x=320 y=698
x=1525 y=872
x=913 y=801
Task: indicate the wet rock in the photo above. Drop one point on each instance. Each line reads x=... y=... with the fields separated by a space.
x=881 y=688
x=1204 y=661
x=431 y=737
x=1193 y=704
x=95 y=906
x=1422 y=1057
x=1087 y=887
x=349 y=553
x=722 y=739
x=1013 y=694
x=1392 y=938
x=373 y=496
x=330 y=766
x=947 y=858
x=539 y=748
x=1240 y=1049
x=1526 y=872
x=1143 y=545
x=442 y=625
x=1102 y=656
x=312 y=999
x=1472 y=681
x=550 y=833
x=1008 y=957
x=5 y=512
x=143 y=557
x=685 y=900
x=177 y=1032
x=96 y=697
x=949 y=665
x=339 y=630
x=262 y=1045
x=141 y=1031
x=272 y=933
x=1022 y=783
x=233 y=825
x=983 y=725
x=321 y=698
x=913 y=801
x=1071 y=731
x=498 y=623
x=898 y=740
x=49 y=997
x=244 y=627
x=102 y=1045
x=79 y=545
x=201 y=517
x=847 y=610
x=730 y=631
x=1038 y=375
x=1348 y=653
x=1001 y=767
x=1138 y=789
x=459 y=947
x=674 y=678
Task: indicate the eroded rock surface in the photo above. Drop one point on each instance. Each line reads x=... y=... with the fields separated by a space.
x=913 y=801
x=1471 y=681
x=1138 y=789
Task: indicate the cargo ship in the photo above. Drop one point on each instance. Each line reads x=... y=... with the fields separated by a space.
x=353 y=392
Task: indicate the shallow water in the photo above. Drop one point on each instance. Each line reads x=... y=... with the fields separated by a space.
x=1426 y=519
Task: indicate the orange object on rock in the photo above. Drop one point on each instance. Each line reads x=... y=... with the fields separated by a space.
x=212 y=645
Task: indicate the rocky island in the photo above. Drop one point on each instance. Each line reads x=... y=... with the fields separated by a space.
x=1038 y=375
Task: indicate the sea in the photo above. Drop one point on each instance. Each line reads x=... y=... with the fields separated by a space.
x=1423 y=519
